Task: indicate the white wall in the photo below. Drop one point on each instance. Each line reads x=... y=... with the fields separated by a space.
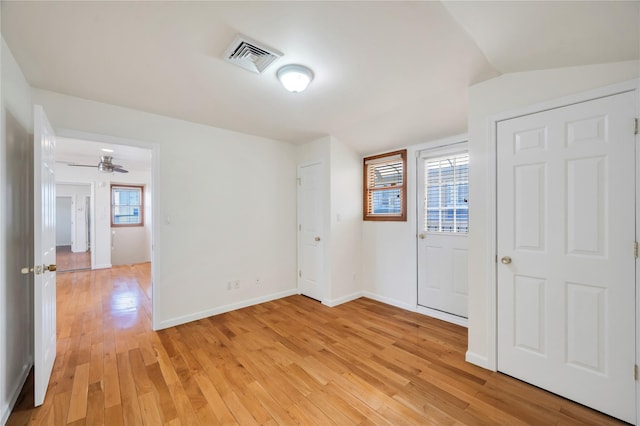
x=234 y=221
x=63 y=221
x=129 y=245
x=346 y=223
x=505 y=93
x=16 y=231
x=342 y=216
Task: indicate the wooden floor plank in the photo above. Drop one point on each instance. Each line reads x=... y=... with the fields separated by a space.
x=79 y=394
x=285 y=362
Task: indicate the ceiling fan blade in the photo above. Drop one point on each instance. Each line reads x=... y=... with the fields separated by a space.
x=80 y=165
x=119 y=170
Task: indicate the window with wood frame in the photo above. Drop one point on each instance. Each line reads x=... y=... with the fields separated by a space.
x=127 y=205
x=385 y=187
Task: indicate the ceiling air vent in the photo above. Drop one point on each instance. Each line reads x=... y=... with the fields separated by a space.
x=251 y=55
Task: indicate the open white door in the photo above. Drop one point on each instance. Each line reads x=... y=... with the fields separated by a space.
x=310 y=231
x=566 y=231
x=44 y=244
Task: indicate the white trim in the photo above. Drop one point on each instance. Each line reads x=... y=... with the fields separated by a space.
x=611 y=90
x=442 y=150
x=325 y=232
x=479 y=360
x=92 y=243
x=339 y=301
x=637 y=234
x=102 y=266
x=156 y=212
x=223 y=309
x=389 y=301
x=439 y=143
x=491 y=225
x=492 y=250
x=15 y=392
x=443 y=316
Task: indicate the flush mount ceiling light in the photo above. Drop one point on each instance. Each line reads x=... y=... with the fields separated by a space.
x=295 y=78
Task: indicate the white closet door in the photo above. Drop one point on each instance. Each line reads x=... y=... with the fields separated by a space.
x=566 y=264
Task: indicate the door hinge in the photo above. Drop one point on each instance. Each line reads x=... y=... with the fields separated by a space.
x=299 y=227
x=635 y=126
x=300 y=273
x=635 y=372
x=635 y=249
x=299 y=181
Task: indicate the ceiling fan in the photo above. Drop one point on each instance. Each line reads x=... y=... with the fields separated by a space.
x=105 y=165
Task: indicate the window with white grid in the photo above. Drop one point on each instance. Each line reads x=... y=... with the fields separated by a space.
x=447 y=193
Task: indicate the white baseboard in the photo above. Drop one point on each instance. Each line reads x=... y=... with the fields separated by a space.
x=341 y=300
x=479 y=360
x=15 y=392
x=103 y=266
x=226 y=308
x=454 y=319
x=389 y=301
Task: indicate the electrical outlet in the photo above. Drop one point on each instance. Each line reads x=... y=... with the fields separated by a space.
x=236 y=284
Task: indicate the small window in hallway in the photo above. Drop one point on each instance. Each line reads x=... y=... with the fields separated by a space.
x=127 y=205
x=385 y=187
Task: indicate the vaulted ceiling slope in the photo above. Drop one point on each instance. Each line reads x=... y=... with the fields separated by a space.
x=387 y=73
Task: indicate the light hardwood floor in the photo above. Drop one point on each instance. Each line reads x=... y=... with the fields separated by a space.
x=290 y=361
x=66 y=260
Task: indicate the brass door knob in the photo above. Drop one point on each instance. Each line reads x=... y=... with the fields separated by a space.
x=506 y=260
x=50 y=268
x=421 y=236
x=317 y=238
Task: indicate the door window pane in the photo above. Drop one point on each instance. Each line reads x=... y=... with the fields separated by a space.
x=447 y=193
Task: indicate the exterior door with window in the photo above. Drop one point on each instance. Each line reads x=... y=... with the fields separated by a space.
x=443 y=226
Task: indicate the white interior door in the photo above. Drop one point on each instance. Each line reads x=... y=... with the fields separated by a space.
x=44 y=253
x=443 y=226
x=566 y=232
x=310 y=231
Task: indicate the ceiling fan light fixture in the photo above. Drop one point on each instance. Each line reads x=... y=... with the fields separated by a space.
x=295 y=78
x=105 y=168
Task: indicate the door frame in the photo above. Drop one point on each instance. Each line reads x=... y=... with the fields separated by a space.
x=154 y=147
x=442 y=145
x=323 y=271
x=492 y=198
x=91 y=212
x=72 y=231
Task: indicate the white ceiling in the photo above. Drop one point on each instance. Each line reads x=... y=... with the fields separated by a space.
x=387 y=73
x=85 y=152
